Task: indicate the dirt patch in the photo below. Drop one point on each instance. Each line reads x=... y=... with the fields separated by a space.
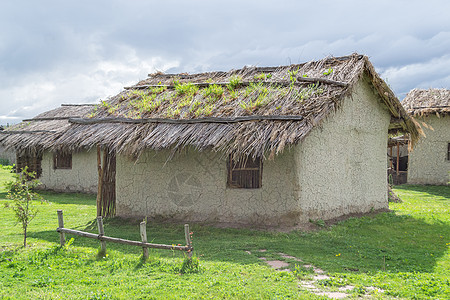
x=277 y=264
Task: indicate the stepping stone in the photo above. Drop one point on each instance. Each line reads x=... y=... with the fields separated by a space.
x=289 y=257
x=262 y=250
x=262 y=258
x=277 y=264
x=318 y=271
x=346 y=288
x=248 y=252
x=321 y=277
x=308 y=285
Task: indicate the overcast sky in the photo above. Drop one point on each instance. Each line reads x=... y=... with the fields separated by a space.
x=54 y=52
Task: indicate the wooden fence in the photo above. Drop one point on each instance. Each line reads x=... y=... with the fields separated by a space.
x=103 y=238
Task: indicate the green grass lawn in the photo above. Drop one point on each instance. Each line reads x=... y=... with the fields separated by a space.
x=405 y=253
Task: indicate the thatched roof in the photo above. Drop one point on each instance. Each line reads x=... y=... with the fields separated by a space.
x=42 y=130
x=425 y=102
x=250 y=111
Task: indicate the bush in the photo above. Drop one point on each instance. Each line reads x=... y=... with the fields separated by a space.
x=20 y=191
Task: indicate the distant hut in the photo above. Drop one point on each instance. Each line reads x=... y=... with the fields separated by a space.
x=33 y=142
x=429 y=162
x=398 y=159
x=271 y=146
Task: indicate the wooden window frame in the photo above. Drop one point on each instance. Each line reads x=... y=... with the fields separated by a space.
x=62 y=160
x=249 y=168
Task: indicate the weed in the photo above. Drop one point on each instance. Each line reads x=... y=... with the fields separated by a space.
x=190 y=265
x=234 y=82
x=263 y=76
x=319 y=222
x=188 y=89
x=328 y=72
x=293 y=75
x=213 y=92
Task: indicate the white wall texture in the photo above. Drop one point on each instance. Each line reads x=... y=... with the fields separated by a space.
x=340 y=168
x=82 y=177
x=9 y=155
x=428 y=162
x=192 y=187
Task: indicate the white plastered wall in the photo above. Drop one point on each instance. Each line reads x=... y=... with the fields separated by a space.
x=9 y=155
x=82 y=177
x=192 y=187
x=342 y=164
x=428 y=162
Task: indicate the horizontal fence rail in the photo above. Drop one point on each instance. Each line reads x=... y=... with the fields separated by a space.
x=103 y=238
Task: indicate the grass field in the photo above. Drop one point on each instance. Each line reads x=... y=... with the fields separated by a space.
x=404 y=254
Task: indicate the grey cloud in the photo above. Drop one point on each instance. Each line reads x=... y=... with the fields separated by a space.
x=88 y=50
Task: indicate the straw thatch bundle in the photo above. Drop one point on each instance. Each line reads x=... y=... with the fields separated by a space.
x=427 y=102
x=41 y=131
x=251 y=111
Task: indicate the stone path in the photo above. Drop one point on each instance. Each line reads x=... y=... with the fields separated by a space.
x=310 y=285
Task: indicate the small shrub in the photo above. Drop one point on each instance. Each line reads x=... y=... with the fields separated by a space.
x=190 y=265
x=20 y=191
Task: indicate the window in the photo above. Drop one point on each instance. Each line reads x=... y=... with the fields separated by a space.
x=246 y=173
x=30 y=159
x=62 y=160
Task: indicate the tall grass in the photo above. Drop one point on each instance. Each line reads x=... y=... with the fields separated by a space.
x=405 y=253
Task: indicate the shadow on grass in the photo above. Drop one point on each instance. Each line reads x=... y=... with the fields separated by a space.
x=441 y=191
x=384 y=242
x=69 y=198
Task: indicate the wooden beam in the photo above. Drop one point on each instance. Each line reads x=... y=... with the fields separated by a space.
x=188 y=121
x=300 y=81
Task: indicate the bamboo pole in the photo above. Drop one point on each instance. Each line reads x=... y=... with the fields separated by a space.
x=122 y=241
x=62 y=238
x=104 y=192
x=188 y=239
x=390 y=154
x=100 y=180
x=101 y=232
x=143 y=230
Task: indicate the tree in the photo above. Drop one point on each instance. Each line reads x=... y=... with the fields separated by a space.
x=21 y=192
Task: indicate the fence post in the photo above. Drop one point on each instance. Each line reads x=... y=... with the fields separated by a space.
x=101 y=232
x=188 y=239
x=143 y=230
x=62 y=237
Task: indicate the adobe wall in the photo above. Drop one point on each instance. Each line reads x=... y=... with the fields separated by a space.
x=342 y=165
x=9 y=155
x=82 y=177
x=193 y=187
x=428 y=162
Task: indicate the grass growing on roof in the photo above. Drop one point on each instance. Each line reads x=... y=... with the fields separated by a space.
x=405 y=253
x=187 y=100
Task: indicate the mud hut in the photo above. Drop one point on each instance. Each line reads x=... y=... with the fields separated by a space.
x=259 y=146
x=429 y=162
x=33 y=142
